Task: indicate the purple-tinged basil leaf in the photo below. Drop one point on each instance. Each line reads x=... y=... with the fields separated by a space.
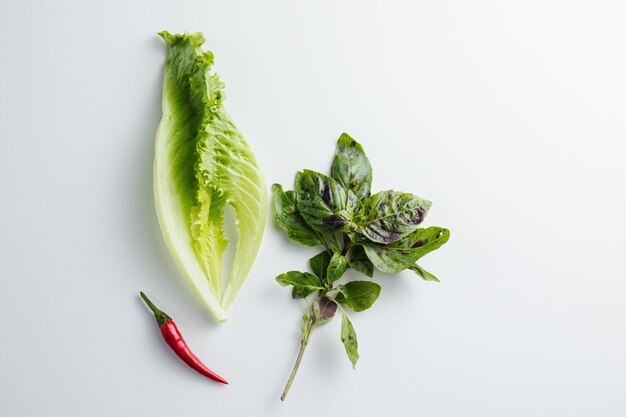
x=353 y=203
x=348 y=338
x=360 y=262
x=321 y=201
x=322 y=311
x=390 y=215
x=351 y=168
x=288 y=218
x=401 y=255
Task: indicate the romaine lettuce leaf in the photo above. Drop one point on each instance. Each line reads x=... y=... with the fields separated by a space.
x=202 y=164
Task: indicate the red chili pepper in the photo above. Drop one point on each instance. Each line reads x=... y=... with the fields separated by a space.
x=175 y=340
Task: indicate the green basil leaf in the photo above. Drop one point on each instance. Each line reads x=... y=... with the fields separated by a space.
x=336 y=268
x=322 y=311
x=303 y=283
x=319 y=264
x=388 y=216
x=288 y=218
x=401 y=255
x=352 y=204
x=424 y=274
x=358 y=295
x=360 y=262
x=322 y=201
x=348 y=338
x=306 y=322
x=351 y=168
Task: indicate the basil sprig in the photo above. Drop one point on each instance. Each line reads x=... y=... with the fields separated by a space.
x=358 y=230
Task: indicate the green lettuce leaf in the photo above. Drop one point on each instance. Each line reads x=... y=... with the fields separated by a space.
x=203 y=164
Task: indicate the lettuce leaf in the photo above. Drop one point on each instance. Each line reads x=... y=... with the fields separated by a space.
x=202 y=164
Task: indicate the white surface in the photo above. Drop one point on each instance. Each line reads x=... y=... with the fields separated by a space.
x=508 y=115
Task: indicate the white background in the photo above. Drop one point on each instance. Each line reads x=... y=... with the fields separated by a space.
x=510 y=116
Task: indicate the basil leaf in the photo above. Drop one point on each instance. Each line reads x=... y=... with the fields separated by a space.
x=348 y=338
x=306 y=322
x=360 y=262
x=322 y=311
x=336 y=268
x=401 y=255
x=387 y=216
x=351 y=168
x=358 y=295
x=288 y=218
x=319 y=264
x=352 y=204
x=321 y=201
x=303 y=283
x=426 y=276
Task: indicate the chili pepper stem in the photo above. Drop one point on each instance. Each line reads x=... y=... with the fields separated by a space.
x=303 y=343
x=160 y=316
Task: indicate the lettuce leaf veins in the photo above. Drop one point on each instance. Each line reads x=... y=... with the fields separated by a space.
x=203 y=164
